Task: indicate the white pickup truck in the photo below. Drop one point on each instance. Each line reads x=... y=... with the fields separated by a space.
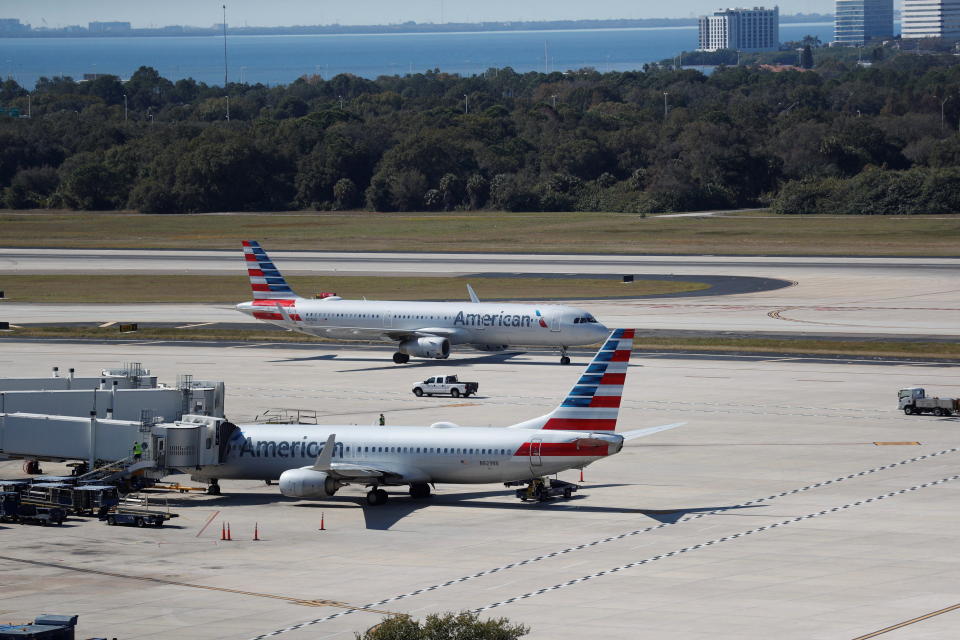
x=445 y=385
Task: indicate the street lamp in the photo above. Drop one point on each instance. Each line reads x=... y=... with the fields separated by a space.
x=466 y=103
x=666 y=108
x=942 y=105
x=554 y=98
x=124 y=107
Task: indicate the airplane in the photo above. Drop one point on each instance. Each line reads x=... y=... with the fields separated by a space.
x=580 y=431
x=421 y=329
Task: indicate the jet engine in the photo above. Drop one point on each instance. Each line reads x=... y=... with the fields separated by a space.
x=438 y=348
x=307 y=483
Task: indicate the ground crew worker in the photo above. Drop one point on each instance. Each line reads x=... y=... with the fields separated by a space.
x=137 y=452
x=383 y=420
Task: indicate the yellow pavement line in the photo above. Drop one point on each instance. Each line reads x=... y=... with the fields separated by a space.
x=879 y=444
x=908 y=622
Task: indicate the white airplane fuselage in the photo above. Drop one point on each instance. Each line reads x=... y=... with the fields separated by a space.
x=478 y=323
x=446 y=454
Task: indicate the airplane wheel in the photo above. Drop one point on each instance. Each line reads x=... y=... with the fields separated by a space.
x=567 y=493
x=565 y=360
x=419 y=490
x=376 y=497
x=213 y=490
x=400 y=358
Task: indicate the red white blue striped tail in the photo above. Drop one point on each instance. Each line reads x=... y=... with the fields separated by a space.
x=594 y=402
x=265 y=279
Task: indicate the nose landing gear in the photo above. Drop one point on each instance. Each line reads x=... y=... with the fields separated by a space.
x=564 y=358
x=376 y=497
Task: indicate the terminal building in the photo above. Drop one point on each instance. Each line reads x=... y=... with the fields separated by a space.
x=860 y=21
x=931 y=19
x=756 y=29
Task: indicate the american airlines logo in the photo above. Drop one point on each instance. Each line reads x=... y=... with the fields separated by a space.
x=284 y=449
x=495 y=320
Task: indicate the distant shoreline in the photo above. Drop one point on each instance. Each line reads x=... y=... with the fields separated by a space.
x=406 y=27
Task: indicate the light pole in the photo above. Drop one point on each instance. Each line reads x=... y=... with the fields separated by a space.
x=666 y=108
x=466 y=103
x=124 y=107
x=942 y=105
x=228 y=108
x=340 y=98
x=554 y=98
x=29 y=106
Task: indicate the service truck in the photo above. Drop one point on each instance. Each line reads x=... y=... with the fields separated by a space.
x=914 y=400
x=445 y=385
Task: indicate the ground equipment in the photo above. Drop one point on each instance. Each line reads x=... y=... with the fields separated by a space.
x=914 y=400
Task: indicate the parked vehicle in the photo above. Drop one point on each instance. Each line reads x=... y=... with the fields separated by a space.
x=543 y=489
x=914 y=400
x=29 y=512
x=137 y=512
x=445 y=385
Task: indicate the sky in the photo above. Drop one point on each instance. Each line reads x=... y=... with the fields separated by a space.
x=203 y=13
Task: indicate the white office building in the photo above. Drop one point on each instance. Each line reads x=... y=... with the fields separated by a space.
x=931 y=19
x=756 y=29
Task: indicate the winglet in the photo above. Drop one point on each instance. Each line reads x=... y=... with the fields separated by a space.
x=325 y=459
x=473 y=294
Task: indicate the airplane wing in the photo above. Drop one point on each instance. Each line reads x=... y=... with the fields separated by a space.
x=390 y=473
x=426 y=332
x=473 y=294
x=649 y=431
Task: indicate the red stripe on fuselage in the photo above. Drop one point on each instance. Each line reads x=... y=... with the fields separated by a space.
x=266 y=315
x=563 y=449
x=581 y=424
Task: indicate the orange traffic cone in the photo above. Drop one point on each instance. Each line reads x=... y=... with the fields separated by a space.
x=223 y=531
x=256 y=531
x=322 y=528
x=581 y=475
x=229 y=537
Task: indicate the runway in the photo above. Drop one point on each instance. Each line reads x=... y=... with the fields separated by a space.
x=869 y=297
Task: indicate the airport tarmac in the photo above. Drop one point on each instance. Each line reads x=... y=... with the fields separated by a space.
x=796 y=503
x=849 y=296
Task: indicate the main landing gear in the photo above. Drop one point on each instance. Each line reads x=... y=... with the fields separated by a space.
x=401 y=358
x=214 y=488
x=564 y=358
x=376 y=497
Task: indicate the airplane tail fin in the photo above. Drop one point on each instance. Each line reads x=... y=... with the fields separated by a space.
x=594 y=402
x=267 y=282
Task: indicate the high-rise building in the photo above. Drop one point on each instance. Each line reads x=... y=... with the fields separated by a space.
x=756 y=29
x=931 y=19
x=859 y=21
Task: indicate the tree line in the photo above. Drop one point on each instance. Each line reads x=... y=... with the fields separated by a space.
x=839 y=138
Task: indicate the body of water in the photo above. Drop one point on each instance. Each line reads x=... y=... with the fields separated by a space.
x=282 y=59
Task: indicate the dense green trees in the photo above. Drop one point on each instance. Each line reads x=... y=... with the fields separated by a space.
x=841 y=138
x=448 y=626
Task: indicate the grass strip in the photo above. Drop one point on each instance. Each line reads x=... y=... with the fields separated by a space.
x=742 y=233
x=232 y=289
x=800 y=346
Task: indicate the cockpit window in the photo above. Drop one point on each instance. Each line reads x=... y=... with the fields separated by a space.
x=584 y=319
